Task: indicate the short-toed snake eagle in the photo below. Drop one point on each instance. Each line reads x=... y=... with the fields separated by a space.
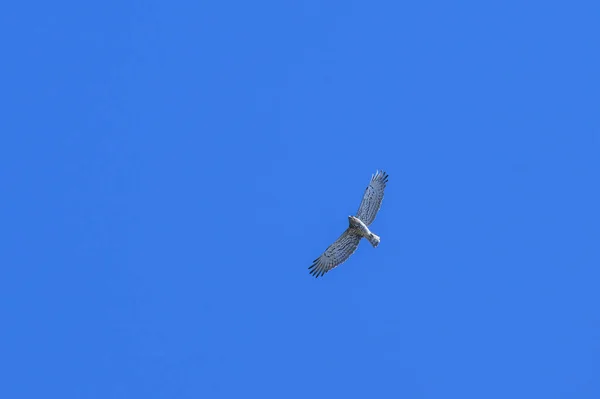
x=343 y=247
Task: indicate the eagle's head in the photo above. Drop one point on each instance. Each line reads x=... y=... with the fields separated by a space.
x=354 y=221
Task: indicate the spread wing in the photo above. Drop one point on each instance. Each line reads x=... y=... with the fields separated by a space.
x=336 y=254
x=371 y=201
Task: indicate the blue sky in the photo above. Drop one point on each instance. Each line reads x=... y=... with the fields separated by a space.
x=171 y=169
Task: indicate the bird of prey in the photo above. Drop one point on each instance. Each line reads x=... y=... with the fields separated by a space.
x=346 y=244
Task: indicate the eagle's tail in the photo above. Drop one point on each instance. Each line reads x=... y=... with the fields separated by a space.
x=374 y=240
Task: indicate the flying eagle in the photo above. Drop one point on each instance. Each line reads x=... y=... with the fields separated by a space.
x=343 y=247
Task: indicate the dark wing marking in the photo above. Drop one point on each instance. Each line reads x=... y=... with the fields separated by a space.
x=336 y=254
x=371 y=201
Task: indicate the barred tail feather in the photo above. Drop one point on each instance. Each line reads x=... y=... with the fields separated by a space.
x=374 y=240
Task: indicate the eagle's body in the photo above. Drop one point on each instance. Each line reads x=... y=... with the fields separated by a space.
x=346 y=244
x=359 y=228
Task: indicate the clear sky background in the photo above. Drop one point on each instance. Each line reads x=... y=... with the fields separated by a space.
x=170 y=170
